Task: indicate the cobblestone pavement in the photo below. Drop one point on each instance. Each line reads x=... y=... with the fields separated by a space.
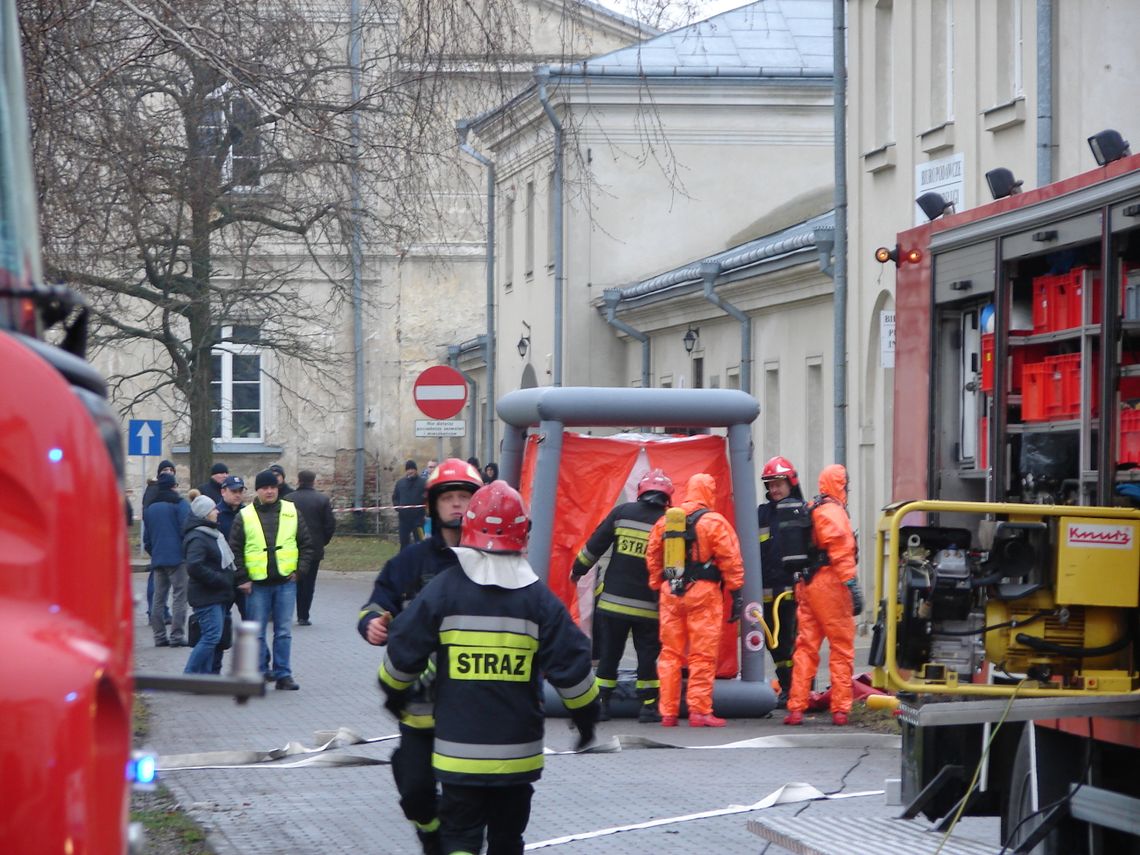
x=306 y=811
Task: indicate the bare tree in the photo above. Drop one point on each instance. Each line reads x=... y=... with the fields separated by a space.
x=196 y=158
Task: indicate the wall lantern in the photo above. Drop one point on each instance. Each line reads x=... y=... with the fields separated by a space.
x=690 y=339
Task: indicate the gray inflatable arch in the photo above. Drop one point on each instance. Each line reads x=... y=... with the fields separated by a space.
x=552 y=409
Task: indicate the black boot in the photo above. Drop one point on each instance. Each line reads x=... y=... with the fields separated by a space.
x=604 y=704
x=784 y=675
x=648 y=713
x=429 y=840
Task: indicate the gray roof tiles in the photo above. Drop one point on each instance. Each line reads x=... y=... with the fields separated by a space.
x=775 y=36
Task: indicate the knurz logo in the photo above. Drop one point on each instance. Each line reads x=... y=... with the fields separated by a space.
x=1103 y=536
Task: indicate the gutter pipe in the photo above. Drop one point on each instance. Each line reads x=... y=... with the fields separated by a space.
x=710 y=270
x=1044 y=92
x=453 y=351
x=542 y=77
x=613 y=297
x=462 y=127
x=356 y=252
x=839 y=274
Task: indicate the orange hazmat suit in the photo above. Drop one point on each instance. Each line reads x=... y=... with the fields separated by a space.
x=694 y=618
x=824 y=604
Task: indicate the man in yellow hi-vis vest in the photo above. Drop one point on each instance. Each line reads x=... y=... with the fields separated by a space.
x=271 y=546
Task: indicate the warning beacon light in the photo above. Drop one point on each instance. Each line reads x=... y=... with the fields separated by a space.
x=884 y=254
x=933 y=205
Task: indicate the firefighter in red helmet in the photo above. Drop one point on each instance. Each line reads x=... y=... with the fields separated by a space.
x=827 y=598
x=496 y=632
x=783 y=486
x=626 y=604
x=448 y=492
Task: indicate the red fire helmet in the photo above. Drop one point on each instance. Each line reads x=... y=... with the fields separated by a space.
x=780 y=467
x=655 y=480
x=496 y=520
x=452 y=474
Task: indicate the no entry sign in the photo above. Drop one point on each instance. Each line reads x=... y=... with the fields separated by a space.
x=440 y=392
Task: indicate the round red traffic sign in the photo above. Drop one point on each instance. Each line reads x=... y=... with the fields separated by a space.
x=440 y=392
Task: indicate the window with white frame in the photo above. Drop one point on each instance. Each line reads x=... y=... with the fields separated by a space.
x=530 y=226
x=507 y=262
x=1009 y=43
x=941 y=62
x=236 y=400
x=231 y=121
x=884 y=72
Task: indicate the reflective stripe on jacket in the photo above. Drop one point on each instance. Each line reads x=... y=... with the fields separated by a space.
x=256 y=550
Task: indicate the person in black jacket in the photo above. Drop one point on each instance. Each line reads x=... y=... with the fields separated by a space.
x=495 y=632
x=626 y=604
x=283 y=489
x=210 y=591
x=449 y=490
x=213 y=485
x=408 y=497
x=317 y=510
x=781 y=482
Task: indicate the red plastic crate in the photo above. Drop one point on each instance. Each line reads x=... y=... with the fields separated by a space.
x=1129 y=448
x=1062 y=387
x=1057 y=299
x=983 y=461
x=1033 y=380
x=1018 y=356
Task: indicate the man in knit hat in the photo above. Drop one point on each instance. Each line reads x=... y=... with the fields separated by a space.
x=213 y=485
x=271 y=546
x=408 y=497
x=162 y=539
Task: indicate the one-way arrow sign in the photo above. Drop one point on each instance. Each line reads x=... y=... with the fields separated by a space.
x=144 y=438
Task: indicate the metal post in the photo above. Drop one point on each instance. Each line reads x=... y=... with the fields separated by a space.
x=839 y=108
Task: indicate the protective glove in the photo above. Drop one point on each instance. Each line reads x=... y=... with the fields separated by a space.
x=584 y=719
x=737 y=606
x=577 y=572
x=856 y=596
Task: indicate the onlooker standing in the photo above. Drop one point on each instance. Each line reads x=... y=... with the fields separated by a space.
x=283 y=489
x=692 y=606
x=490 y=473
x=488 y=716
x=317 y=510
x=825 y=597
x=272 y=570
x=627 y=604
x=781 y=482
x=165 y=467
x=162 y=539
x=210 y=590
x=408 y=497
x=213 y=485
x=233 y=500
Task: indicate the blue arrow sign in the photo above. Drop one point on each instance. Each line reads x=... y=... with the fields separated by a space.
x=144 y=437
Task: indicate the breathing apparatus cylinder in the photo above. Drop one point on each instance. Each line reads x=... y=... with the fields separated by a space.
x=675 y=549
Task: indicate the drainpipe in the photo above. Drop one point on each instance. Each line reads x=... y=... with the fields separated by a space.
x=357 y=260
x=453 y=360
x=613 y=297
x=1044 y=92
x=542 y=76
x=462 y=127
x=710 y=270
x=839 y=275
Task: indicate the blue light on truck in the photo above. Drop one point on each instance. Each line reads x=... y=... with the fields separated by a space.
x=55 y=455
x=142 y=769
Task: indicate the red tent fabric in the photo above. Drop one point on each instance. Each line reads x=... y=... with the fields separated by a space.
x=598 y=472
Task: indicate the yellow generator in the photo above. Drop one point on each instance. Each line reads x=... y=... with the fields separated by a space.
x=976 y=598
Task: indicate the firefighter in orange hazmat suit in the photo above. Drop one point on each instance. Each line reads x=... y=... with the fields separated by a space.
x=824 y=598
x=692 y=608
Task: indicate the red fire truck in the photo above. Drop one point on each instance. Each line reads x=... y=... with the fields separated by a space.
x=65 y=598
x=1008 y=577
